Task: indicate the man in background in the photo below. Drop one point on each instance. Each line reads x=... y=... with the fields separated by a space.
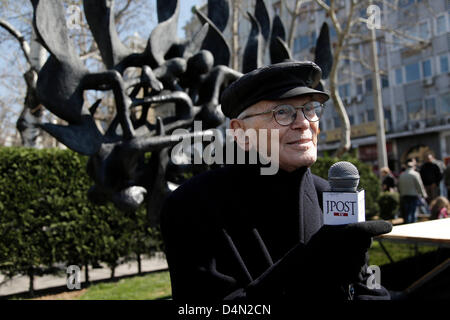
x=410 y=187
x=431 y=173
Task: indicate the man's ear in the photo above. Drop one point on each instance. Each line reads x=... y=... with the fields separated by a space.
x=238 y=127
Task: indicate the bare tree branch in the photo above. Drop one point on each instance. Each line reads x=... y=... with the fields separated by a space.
x=323 y=5
x=122 y=11
x=19 y=37
x=294 y=15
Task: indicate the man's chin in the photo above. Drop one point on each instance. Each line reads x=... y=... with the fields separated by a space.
x=290 y=165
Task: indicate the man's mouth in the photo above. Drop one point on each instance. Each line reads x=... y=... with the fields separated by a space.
x=300 y=141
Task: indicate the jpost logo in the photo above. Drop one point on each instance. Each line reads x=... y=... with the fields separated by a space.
x=341 y=208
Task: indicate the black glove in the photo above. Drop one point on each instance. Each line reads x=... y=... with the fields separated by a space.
x=341 y=250
x=330 y=261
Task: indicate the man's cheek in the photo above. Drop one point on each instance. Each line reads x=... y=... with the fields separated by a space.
x=315 y=131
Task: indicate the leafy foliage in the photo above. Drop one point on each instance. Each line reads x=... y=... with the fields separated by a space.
x=46 y=218
x=389 y=203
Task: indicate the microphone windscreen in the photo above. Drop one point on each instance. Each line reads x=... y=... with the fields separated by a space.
x=343 y=176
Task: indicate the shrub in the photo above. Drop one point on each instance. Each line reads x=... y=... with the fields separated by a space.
x=46 y=218
x=389 y=203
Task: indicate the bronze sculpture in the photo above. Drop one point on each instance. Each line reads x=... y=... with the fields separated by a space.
x=186 y=75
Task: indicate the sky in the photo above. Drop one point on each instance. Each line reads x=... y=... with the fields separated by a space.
x=18 y=64
x=186 y=14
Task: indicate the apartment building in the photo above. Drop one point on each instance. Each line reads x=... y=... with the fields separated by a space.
x=413 y=49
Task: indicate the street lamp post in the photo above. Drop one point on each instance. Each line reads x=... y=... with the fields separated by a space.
x=378 y=104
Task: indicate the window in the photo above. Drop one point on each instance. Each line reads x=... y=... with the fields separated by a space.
x=369 y=85
x=405 y=3
x=361 y=117
x=413 y=31
x=412 y=72
x=359 y=88
x=430 y=107
x=329 y=124
x=441 y=24
x=388 y=118
x=414 y=109
x=445 y=103
x=370 y=115
x=388 y=115
x=351 y=119
x=398 y=76
x=426 y=68
x=344 y=90
x=303 y=42
x=424 y=30
x=337 y=122
x=381 y=47
x=333 y=33
x=384 y=81
x=297 y=44
x=443 y=61
x=312 y=39
x=396 y=44
x=400 y=113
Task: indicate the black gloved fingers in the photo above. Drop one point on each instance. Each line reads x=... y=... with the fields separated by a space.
x=369 y=228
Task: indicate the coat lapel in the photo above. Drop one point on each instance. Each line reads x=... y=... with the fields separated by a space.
x=311 y=218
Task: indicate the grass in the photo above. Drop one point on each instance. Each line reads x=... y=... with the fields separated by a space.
x=157 y=285
x=398 y=251
x=149 y=287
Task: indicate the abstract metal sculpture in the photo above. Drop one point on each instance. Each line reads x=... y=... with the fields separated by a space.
x=186 y=76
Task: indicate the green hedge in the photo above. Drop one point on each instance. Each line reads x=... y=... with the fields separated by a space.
x=389 y=203
x=46 y=218
x=368 y=179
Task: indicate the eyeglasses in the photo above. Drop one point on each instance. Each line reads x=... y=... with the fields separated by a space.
x=286 y=114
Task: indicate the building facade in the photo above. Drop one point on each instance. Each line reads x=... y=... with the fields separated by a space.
x=413 y=47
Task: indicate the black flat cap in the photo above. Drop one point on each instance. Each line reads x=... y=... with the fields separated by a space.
x=273 y=82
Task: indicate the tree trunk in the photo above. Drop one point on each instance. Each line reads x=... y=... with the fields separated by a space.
x=293 y=25
x=345 y=142
x=86 y=273
x=31 y=277
x=235 y=36
x=139 y=262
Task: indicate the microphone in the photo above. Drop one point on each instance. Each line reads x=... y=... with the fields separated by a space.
x=343 y=204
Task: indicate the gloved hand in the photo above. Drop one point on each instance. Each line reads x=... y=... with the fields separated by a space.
x=332 y=259
x=341 y=250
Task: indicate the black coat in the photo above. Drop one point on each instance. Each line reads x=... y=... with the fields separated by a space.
x=430 y=173
x=229 y=234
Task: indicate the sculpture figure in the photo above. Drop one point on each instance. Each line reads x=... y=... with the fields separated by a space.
x=185 y=76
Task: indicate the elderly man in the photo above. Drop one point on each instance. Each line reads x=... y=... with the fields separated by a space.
x=235 y=234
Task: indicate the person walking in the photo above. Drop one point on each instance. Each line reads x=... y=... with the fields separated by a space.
x=387 y=180
x=431 y=173
x=410 y=187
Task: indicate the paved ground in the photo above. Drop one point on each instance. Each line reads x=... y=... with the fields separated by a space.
x=21 y=283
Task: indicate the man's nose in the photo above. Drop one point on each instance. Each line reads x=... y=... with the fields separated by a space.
x=300 y=121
